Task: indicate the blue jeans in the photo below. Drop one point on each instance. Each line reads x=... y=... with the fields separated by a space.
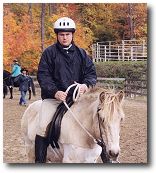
x=22 y=99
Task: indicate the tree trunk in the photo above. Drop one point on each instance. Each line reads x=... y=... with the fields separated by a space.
x=131 y=21
x=42 y=26
x=52 y=9
x=30 y=11
x=49 y=9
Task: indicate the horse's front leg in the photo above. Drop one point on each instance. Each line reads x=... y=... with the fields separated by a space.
x=29 y=93
x=11 y=92
x=76 y=154
x=4 y=91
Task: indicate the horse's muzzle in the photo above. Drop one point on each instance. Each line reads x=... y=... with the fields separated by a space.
x=113 y=155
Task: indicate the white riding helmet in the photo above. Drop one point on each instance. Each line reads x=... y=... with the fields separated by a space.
x=64 y=24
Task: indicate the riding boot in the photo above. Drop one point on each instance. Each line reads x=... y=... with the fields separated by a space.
x=41 y=145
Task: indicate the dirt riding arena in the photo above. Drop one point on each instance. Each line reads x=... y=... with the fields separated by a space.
x=133 y=141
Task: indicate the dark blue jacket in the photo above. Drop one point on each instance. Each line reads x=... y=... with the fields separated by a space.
x=58 y=69
x=24 y=82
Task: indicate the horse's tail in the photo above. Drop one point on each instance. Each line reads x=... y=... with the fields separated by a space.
x=25 y=119
x=24 y=122
x=33 y=87
x=29 y=115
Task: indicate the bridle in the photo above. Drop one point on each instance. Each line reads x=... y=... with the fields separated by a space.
x=104 y=156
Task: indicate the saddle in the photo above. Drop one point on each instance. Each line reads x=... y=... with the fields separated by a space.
x=55 y=124
x=14 y=80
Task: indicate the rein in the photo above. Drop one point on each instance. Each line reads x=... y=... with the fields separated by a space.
x=6 y=78
x=77 y=89
x=104 y=155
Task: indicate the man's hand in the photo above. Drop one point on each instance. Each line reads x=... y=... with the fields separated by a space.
x=83 y=88
x=60 y=95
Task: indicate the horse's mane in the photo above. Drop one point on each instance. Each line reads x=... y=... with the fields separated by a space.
x=112 y=106
x=5 y=71
x=110 y=103
x=6 y=74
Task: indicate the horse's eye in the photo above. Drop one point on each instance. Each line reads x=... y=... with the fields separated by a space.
x=98 y=109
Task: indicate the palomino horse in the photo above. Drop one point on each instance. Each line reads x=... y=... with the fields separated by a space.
x=96 y=108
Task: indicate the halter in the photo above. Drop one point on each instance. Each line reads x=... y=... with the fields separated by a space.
x=104 y=155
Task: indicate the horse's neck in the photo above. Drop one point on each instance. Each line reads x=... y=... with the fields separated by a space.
x=86 y=112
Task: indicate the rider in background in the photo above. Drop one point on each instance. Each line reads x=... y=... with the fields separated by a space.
x=61 y=65
x=16 y=70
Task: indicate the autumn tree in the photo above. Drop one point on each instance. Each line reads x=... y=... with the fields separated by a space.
x=20 y=40
x=28 y=27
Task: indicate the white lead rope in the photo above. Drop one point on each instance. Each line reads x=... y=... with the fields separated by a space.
x=77 y=89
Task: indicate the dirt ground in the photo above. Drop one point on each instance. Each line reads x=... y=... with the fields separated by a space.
x=133 y=140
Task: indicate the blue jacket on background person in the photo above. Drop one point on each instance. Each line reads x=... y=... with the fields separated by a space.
x=16 y=70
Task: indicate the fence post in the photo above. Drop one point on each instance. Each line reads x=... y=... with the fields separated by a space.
x=143 y=48
x=126 y=89
x=119 y=53
x=93 y=53
x=123 y=50
x=105 y=53
x=142 y=85
x=97 y=49
x=109 y=48
x=132 y=53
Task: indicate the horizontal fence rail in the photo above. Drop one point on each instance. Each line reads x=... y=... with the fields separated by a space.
x=125 y=50
x=136 y=87
x=132 y=88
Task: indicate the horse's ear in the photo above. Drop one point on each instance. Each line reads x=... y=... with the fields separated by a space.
x=102 y=96
x=121 y=95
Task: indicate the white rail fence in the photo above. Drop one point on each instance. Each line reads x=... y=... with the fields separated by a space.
x=125 y=50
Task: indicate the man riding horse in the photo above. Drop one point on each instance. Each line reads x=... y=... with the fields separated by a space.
x=61 y=65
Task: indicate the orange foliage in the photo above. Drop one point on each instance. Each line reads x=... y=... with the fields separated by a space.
x=94 y=22
x=19 y=40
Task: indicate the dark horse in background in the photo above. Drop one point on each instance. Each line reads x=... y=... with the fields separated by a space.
x=7 y=84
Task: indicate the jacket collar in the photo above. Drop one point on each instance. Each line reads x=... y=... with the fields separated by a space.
x=71 y=48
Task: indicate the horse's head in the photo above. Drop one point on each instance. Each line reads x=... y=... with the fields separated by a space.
x=110 y=115
x=6 y=74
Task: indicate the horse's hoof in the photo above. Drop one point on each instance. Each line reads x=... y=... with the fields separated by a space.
x=11 y=98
